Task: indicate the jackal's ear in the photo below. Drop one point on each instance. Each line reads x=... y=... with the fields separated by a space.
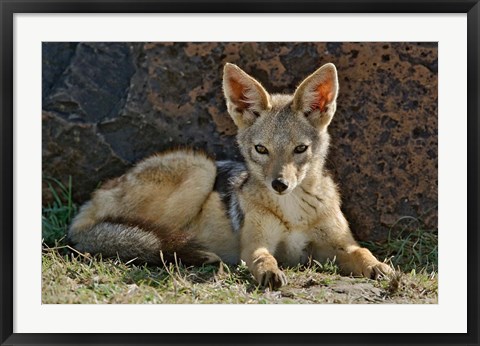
x=316 y=96
x=246 y=98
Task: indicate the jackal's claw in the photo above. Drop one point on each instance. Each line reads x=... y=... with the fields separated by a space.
x=378 y=271
x=273 y=279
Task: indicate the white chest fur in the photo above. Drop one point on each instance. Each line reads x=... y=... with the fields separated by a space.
x=293 y=249
x=297 y=208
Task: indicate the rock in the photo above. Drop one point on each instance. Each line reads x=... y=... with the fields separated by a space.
x=93 y=87
x=77 y=150
x=107 y=105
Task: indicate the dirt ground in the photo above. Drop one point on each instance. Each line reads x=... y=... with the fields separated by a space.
x=70 y=279
x=347 y=290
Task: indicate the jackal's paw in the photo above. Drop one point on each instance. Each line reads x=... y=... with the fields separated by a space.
x=274 y=278
x=377 y=270
x=363 y=263
x=265 y=270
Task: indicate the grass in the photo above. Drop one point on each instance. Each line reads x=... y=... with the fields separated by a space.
x=72 y=277
x=409 y=250
x=57 y=215
x=78 y=278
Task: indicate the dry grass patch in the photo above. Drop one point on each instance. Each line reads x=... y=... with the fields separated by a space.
x=70 y=278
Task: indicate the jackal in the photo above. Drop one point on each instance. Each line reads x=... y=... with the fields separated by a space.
x=280 y=206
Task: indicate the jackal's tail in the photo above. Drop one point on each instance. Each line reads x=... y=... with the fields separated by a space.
x=143 y=243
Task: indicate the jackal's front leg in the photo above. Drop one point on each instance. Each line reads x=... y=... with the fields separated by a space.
x=259 y=239
x=359 y=261
x=334 y=239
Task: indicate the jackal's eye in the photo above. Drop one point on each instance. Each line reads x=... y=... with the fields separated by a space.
x=300 y=149
x=261 y=149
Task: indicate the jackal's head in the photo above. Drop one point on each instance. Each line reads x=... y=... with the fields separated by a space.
x=283 y=138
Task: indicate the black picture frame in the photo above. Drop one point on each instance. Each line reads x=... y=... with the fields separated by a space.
x=10 y=7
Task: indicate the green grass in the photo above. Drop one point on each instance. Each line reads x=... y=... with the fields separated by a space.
x=408 y=249
x=69 y=276
x=56 y=216
x=73 y=278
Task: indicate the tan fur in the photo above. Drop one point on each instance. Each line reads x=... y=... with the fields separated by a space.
x=169 y=200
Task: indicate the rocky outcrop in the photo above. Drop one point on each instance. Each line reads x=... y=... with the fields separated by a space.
x=107 y=105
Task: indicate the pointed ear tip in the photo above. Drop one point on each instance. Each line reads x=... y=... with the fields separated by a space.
x=229 y=66
x=329 y=66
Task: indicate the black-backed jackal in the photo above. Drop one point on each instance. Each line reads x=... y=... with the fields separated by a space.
x=280 y=206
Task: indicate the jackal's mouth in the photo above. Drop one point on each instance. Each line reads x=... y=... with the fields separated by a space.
x=282 y=193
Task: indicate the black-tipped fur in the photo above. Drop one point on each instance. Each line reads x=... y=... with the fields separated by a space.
x=230 y=176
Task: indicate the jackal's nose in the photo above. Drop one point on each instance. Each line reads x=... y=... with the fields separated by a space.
x=279 y=186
